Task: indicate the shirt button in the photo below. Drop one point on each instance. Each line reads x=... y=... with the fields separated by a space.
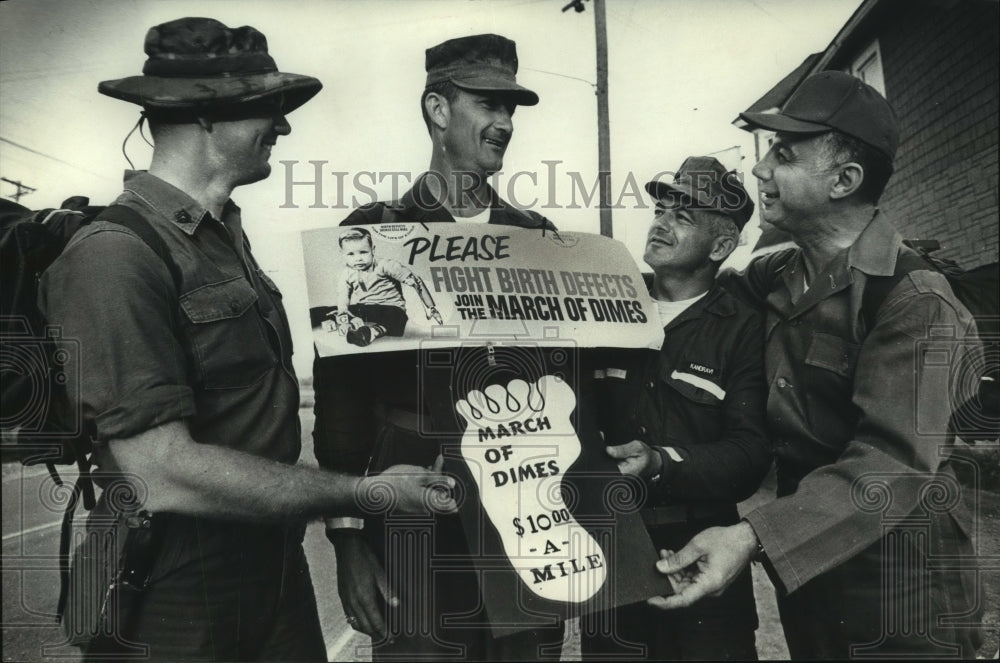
x=642 y=430
x=651 y=384
x=181 y=216
x=782 y=383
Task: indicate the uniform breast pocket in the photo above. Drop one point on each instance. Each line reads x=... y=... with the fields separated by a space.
x=833 y=354
x=692 y=406
x=229 y=345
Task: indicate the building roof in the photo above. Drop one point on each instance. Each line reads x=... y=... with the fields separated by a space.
x=778 y=95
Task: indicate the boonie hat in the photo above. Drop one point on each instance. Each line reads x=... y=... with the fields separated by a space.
x=481 y=63
x=836 y=100
x=704 y=183
x=200 y=63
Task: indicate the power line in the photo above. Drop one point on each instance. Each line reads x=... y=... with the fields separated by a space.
x=49 y=156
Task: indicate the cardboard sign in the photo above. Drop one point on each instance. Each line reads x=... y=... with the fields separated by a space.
x=503 y=319
x=388 y=287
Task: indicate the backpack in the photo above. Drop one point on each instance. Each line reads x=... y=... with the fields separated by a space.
x=979 y=290
x=38 y=423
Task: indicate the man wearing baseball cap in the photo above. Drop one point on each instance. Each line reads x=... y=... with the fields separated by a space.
x=194 y=549
x=690 y=419
x=858 y=404
x=429 y=604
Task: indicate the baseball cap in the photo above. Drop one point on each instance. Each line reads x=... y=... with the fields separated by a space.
x=706 y=184
x=834 y=100
x=480 y=63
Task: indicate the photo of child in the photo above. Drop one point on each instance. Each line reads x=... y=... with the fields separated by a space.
x=370 y=302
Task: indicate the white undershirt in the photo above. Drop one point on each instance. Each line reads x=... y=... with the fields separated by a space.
x=670 y=310
x=479 y=217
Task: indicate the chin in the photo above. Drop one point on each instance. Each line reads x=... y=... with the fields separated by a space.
x=257 y=175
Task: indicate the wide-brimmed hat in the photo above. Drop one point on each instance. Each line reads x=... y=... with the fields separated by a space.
x=200 y=63
x=480 y=63
x=704 y=183
x=834 y=100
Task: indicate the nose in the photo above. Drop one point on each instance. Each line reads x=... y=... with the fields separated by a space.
x=762 y=169
x=281 y=126
x=662 y=223
x=504 y=120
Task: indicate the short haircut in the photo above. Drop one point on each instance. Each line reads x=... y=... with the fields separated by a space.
x=841 y=148
x=719 y=224
x=446 y=89
x=354 y=234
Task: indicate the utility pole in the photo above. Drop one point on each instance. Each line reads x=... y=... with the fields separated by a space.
x=22 y=189
x=603 y=127
x=603 y=123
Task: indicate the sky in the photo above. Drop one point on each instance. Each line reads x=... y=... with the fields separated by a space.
x=679 y=72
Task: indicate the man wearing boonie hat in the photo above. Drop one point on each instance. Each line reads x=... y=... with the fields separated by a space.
x=858 y=419
x=431 y=609
x=186 y=379
x=689 y=420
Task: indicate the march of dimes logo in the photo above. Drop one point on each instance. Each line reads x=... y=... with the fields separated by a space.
x=393 y=232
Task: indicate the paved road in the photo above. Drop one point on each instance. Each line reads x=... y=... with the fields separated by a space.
x=32 y=512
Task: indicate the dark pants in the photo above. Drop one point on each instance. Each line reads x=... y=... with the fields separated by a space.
x=222 y=592
x=715 y=628
x=904 y=597
x=393 y=318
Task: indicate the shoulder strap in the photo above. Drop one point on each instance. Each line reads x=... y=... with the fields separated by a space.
x=878 y=287
x=128 y=218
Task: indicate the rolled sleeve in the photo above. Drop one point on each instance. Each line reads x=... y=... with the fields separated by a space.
x=112 y=296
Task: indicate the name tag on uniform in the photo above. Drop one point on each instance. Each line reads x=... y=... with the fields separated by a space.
x=701 y=383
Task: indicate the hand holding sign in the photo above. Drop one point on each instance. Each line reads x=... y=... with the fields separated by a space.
x=554 y=556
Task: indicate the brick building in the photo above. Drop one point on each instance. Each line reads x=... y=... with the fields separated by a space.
x=936 y=63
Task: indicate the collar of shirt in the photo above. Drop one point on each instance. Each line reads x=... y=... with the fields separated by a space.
x=179 y=208
x=421 y=206
x=874 y=253
x=717 y=301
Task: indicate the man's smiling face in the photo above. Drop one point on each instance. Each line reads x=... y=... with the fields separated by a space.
x=478 y=132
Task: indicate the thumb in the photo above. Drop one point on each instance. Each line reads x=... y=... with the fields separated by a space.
x=679 y=561
x=384 y=589
x=438 y=469
x=618 y=452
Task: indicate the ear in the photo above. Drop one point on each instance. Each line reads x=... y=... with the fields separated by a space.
x=438 y=110
x=850 y=175
x=722 y=247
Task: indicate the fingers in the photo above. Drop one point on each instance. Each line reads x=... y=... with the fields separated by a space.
x=676 y=562
x=687 y=597
x=438 y=464
x=367 y=614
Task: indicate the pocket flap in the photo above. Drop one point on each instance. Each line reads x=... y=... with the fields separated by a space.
x=218 y=301
x=832 y=353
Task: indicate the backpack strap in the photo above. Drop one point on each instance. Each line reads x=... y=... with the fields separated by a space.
x=878 y=287
x=128 y=218
x=84 y=488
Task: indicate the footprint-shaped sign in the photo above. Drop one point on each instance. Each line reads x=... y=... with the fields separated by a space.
x=518 y=444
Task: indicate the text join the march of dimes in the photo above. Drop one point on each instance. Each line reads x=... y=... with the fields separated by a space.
x=496 y=292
